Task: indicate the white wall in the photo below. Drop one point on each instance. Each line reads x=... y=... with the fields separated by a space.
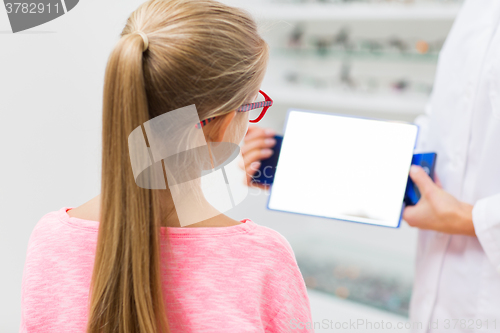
x=51 y=80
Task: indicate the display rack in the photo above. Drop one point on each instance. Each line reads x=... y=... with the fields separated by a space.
x=359 y=55
x=405 y=20
x=351 y=12
x=380 y=103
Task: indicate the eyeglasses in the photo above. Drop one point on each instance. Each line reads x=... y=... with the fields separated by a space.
x=265 y=105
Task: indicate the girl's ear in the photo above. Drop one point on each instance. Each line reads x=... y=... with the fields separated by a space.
x=218 y=128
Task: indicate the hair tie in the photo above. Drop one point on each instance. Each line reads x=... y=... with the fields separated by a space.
x=144 y=39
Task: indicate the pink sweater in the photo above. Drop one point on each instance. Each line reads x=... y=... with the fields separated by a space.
x=241 y=278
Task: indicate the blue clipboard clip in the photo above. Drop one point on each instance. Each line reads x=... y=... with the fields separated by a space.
x=428 y=162
x=267 y=170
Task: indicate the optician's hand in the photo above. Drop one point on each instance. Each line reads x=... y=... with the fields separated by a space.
x=256 y=147
x=437 y=209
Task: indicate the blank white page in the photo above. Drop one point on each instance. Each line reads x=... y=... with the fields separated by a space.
x=343 y=167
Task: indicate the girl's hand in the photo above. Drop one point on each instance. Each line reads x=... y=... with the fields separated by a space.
x=256 y=147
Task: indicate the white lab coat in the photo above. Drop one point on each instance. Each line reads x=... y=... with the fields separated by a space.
x=458 y=277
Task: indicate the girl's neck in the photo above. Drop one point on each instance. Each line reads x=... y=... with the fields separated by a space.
x=91 y=211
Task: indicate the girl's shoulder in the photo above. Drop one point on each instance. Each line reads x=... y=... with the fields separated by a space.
x=271 y=246
x=55 y=236
x=272 y=239
x=49 y=226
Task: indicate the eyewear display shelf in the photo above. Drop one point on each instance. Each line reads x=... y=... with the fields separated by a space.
x=367 y=57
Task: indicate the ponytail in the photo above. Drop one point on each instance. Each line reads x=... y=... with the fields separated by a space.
x=126 y=289
x=199 y=52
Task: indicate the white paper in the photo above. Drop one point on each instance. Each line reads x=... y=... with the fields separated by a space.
x=343 y=167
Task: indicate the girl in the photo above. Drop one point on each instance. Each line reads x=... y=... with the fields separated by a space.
x=121 y=262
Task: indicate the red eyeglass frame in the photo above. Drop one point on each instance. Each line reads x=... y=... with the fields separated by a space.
x=247 y=107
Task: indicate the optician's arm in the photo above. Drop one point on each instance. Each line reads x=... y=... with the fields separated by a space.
x=486 y=218
x=437 y=209
x=440 y=211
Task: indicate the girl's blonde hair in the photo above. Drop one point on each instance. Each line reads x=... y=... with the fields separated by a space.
x=200 y=52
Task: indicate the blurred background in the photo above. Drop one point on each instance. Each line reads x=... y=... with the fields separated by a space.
x=372 y=58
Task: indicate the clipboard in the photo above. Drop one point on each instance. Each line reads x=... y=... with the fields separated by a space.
x=340 y=167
